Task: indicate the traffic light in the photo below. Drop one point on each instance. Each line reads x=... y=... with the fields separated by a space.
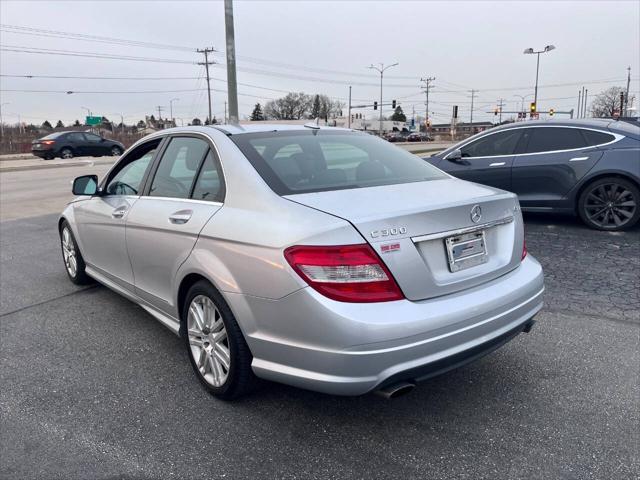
x=375 y=105
x=495 y=112
x=455 y=111
x=532 y=107
x=393 y=104
x=551 y=112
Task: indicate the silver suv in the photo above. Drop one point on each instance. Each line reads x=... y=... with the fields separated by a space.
x=318 y=257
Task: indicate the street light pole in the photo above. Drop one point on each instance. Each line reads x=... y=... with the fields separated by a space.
x=531 y=51
x=381 y=69
x=522 y=97
x=171 y=106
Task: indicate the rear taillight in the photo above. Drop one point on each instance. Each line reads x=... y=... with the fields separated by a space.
x=347 y=273
x=48 y=142
x=524 y=249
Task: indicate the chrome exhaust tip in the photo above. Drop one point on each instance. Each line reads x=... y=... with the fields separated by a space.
x=395 y=390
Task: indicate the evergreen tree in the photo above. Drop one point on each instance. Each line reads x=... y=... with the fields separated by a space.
x=59 y=124
x=257 y=115
x=46 y=125
x=315 y=110
x=398 y=115
x=77 y=123
x=196 y=122
x=141 y=124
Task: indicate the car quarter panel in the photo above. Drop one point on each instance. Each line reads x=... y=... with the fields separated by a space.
x=240 y=249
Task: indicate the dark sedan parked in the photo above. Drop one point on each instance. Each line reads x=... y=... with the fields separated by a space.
x=585 y=167
x=75 y=144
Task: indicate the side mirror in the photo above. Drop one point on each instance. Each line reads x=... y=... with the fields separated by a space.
x=85 y=185
x=455 y=156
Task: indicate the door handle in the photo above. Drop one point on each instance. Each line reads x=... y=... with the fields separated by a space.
x=497 y=164
x=578 y=159
x=119 y=212
x=181 y=217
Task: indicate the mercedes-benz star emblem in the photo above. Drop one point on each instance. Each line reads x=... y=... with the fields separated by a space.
x=476 y=214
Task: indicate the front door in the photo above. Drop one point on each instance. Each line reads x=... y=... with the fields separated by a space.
x=101 y=220
x=164 y=224
x=554 y=159
x=487 y=160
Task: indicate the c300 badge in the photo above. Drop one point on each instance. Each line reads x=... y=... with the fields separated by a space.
x=388 y=232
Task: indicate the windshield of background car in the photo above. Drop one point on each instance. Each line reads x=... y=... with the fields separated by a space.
x=319 y=160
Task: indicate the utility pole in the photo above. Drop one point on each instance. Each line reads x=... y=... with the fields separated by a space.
x=160 y=108
x=579 y=102
x=206 y=64
x=500 y=105
x=349 y=114
x=232 y=83
x=1 y=121
x=225 y=113
x=626 y=97
x=473 y=94
x=584 y=99
x=426 y=88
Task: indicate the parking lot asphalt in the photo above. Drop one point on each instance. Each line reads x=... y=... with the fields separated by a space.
x=93 y=387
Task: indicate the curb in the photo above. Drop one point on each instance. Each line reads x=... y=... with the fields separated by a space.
x=21 y=168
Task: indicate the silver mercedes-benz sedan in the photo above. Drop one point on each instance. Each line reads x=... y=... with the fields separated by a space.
x=317 y=257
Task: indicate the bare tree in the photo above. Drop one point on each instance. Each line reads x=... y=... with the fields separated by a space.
x=607 y=103
x=293 y=106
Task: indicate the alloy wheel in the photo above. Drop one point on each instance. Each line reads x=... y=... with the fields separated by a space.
x=69 y=252
x=208 y=342
x=66 y=153
x=610 y=205
x=115 y=151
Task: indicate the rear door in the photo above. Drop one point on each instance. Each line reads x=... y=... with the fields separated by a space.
x=77 y=142
x=553 y=160
x=95 y=145
x=487 y=160
x=186 y=189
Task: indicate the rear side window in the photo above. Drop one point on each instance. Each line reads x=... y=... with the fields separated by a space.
x=75 y=137
x=178 y=167
x=597 y=138
x=501 y=143
x=549 y=139
x=209 y=185
x=320 y=160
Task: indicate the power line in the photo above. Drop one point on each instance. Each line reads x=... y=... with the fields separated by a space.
x=73 y=53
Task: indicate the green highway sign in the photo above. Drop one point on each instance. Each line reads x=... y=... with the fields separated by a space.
x=93 y=121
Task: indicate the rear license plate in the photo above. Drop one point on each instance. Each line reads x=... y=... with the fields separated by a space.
x=466 y=251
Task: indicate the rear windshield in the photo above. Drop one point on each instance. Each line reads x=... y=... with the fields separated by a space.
x=51 y=136
x=321 y=160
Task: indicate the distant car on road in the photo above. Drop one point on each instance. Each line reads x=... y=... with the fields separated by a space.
x=75 y=144
x=419 y=137
x=397 y=137
x=586 y=167
x=314 y=256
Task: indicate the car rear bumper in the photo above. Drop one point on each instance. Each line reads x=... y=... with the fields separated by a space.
x=309 y=341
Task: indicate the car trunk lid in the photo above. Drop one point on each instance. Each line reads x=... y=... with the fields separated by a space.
x=425 y=234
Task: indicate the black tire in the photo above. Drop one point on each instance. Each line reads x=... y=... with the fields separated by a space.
x=240 y=378
x=116 y=151
x=79 y=276
x=610 y=204
x=66 y=152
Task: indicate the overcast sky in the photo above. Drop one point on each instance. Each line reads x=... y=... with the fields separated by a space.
x=316 y=47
